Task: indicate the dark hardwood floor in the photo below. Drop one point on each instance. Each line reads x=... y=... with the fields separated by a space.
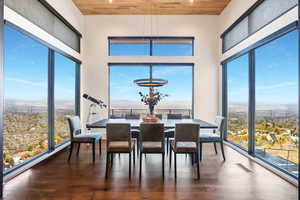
x=236 y=179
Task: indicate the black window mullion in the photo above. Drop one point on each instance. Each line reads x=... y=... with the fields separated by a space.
x=224 y=96
x=1 y=95
x=51 y=109
x=151 y=47
x=251 y=111
x=77 y=90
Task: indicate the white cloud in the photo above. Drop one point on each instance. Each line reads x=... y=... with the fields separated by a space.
x=275 y=86
x=171 y=71
x=26 y=82
x=38 y=84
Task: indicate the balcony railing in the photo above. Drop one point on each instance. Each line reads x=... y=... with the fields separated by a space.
x=121 y=113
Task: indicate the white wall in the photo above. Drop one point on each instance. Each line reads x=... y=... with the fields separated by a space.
x=206 y=59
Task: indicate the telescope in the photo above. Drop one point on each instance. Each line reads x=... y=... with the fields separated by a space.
x=94 y=100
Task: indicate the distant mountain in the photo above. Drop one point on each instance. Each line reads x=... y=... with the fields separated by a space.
x=127 y=104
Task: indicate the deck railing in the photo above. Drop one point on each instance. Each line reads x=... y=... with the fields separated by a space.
x=120 y=113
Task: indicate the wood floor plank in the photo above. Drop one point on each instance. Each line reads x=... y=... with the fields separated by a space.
x=238 y=178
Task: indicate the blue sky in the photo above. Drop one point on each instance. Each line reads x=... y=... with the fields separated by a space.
x=26 y=73
x=144 y=49
x=276 y=73
x=26 y=69
x=179 y=85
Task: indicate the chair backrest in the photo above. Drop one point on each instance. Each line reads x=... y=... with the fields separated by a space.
x=74 y=125
x=187 y=132
x=174 y=116
x=132 y=116
x=220 y=122
x=118 y=132
x=152 y=132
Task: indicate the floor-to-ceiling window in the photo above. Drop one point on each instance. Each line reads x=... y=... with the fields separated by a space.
x=276 y=113
x=238 y=97
x=65 y=88
x=262 y=99
x=124 y=94
x=26 y=91
x=179 y=89
x=28 y=129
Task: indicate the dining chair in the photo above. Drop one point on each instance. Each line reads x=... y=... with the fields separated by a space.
x=217 y=136
x=169 y=133
x=118 y=141
x=78 y=137
x=185 y=142
x=134 y=131
x=152 y=141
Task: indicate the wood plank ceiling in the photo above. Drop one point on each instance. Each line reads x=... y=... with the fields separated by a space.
x=148 y=7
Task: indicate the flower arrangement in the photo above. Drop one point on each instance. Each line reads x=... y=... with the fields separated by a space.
x=152 y=99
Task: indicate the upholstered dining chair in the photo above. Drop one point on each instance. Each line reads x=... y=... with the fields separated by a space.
x=152 y=141
x=134 y=131
x=78 y=137
x=119 y=141
x=217 y=136
x=185 y=142
x=169 y=133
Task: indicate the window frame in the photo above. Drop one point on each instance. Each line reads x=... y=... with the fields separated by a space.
x=150 y=65
x=50 y=95
x=251 y=104
x=150 y=39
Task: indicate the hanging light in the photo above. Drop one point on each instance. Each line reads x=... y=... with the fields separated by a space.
x=150 y=82
x=191 y=1
x=110 y=1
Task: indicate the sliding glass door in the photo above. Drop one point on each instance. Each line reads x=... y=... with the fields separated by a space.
x=26 y=107
x=276 y=113
x=238 y=98
x=28 y=128
x=64 y=95
x=262 y=100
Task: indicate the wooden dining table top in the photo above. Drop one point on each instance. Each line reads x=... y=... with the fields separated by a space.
x=168 y=123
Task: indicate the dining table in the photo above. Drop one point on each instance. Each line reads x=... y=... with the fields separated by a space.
x=168 y=123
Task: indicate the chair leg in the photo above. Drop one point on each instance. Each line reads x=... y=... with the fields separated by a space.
x=130 y=166
x=168 y=144
x=215 y=145
x=170 y=156
x=111 y=159
x=107 y=164
x=140 y=175
x=78 y=148
x=94 y=152
x=163 y=165
x=175 y=165
x=71 y=149
x=100 y=147
x=133 y=155
x=222 y=149
x=198 y=168
x=200 y=151
x=138 y=145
